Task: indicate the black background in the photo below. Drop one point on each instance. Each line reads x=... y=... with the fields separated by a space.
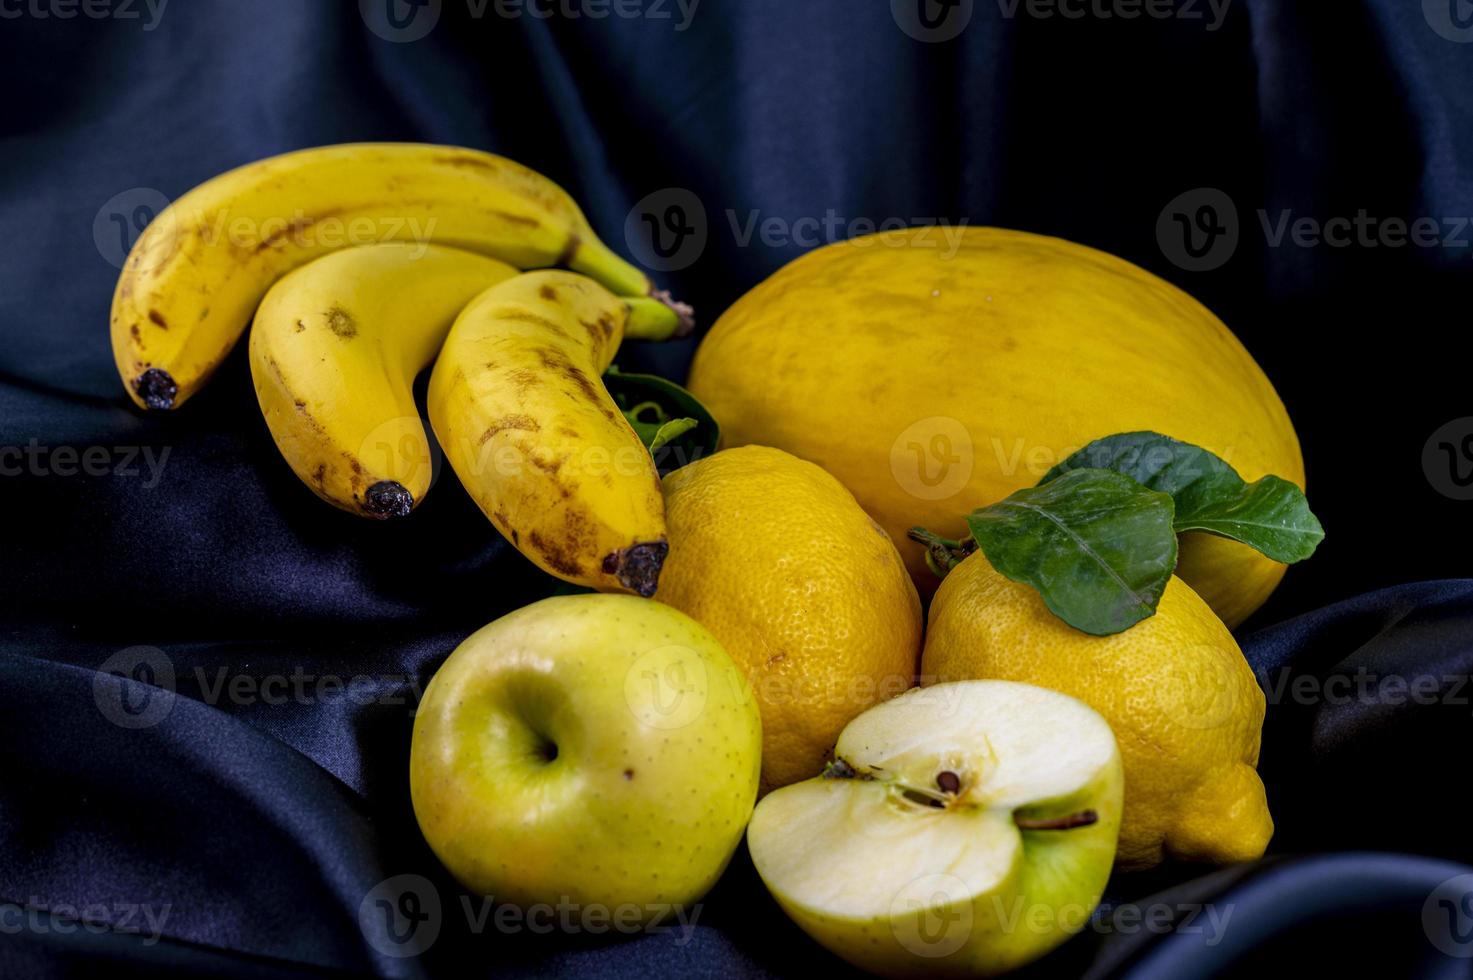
x=264 y=826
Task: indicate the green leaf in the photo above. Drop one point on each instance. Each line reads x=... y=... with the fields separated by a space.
x=669 y=420
x=1270 y=515
x=654 y=425
x=667 y=431
x=1097 y=545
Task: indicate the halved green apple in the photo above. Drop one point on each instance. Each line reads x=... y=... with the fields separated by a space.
x=962 y=830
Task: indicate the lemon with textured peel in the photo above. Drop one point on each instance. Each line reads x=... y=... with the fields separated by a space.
x=807 y=593
x=1183 y=703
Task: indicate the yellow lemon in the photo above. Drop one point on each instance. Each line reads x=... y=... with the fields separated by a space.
x=804 y=590
x=1183 y=703
x=936 y=372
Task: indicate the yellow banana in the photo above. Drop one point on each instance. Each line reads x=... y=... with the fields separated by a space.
x=335 y=349
x=197 y=273
x=518 y=407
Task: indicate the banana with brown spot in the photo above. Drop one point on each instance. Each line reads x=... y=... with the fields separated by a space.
x=516 y=402
x=335 y=349
x=198 y=272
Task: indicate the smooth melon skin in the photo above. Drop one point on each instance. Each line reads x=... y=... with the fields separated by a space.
x=933 y=379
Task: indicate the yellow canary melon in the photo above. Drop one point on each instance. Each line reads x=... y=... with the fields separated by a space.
x=935 y=375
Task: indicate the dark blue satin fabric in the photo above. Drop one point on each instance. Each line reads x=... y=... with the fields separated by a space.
x=258 y=830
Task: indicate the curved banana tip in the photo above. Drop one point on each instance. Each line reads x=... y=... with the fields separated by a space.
x=684 y=312
x=157 y=389
x=386 y=499
x=638 y=567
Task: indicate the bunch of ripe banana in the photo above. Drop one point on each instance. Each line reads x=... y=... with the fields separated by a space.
x=341 y=330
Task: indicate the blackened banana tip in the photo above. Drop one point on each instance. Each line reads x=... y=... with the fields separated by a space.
x=638 y=567
x=157 y=388
x=388 y=498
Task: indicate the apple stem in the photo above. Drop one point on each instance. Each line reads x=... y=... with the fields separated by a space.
x=942 y=554
x=1082 y=819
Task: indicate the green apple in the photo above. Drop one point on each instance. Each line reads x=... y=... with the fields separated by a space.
x=962 y=830
x=587 y=749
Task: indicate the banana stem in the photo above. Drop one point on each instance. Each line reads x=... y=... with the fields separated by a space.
x=658 y=317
